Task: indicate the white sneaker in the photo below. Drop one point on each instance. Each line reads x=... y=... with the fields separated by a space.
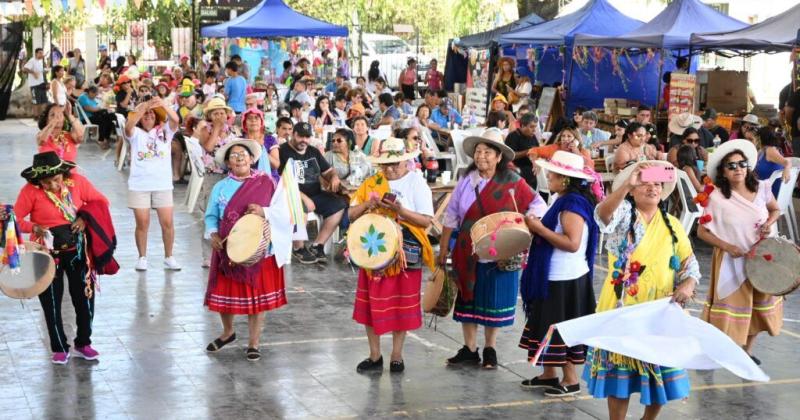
x=171 y=264
x=141 y=265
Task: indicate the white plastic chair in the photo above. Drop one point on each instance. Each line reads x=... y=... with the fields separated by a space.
x=462 y=161
x=91 y=132
x=314 y=217
x=123 y=151
x=383 y=132
x=609 y=162
x=690 y=210
x=784 y=197
x=195 y=152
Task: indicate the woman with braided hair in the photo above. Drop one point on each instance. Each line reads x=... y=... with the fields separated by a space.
x=641 y=269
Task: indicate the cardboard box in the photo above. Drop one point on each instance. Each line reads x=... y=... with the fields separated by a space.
x=727 y=91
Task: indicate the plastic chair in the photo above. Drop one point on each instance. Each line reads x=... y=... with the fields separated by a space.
x=462 y=161
x=314 y=217
x=195 y=152
x=784 y=197
x=609 y=162
x=123 y=151
x=690 y=211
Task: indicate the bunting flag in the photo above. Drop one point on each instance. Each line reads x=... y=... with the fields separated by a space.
x=10 y=241
x=138 y=3
x=79 y=4
x=65 y=5
x=29 y=6
x=102 y=4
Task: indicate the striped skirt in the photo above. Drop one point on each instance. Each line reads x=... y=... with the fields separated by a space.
x=745 y=312
x=232 y=297
x=389 y=303
x=495 y=298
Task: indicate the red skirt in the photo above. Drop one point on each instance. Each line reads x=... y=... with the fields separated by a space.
x=389 y=304
x=232 y=297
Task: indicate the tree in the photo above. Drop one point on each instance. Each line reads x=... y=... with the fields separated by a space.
x=546 y=9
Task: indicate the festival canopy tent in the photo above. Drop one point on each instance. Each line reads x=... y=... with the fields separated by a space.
x=485 y=39
x=777 y=33
x=670 y=29
x=273 y=18
x=597 y=17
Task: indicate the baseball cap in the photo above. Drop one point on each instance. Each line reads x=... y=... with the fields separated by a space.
x=303 y=129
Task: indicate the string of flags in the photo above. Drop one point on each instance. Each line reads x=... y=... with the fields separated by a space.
x=39 y=6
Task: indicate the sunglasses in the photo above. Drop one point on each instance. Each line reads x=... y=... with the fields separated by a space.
x=693 y=140
x=739 y=164
x=338 y=140
x=415 y=138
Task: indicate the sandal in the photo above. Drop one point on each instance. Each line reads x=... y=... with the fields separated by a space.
x=252 y=354
x=218 y=344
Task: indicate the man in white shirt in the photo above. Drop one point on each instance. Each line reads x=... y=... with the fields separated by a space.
x=34 y=68
x=150 y=52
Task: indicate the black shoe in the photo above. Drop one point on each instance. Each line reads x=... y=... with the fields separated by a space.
x=563 y=391
x=397 y=366
x=756 y=360
x=465 y=356
x=218 y=344
x=489 y=358
x=252 y=354
x=319 y=252
x=304 y=256
x=369 y=365
x=539 y=383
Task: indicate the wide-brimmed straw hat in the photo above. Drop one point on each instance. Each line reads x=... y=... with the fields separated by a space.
x=393 y=150
x=492 y=137
x=680 y=122
x=622 y=177
x=751 y=119
x=217 y=103
x=251 y=145
x=45 y=165
x=565 y=163
x=506 y=59
x=746 y=146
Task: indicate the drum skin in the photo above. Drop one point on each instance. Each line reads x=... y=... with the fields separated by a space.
x=248 y=240
x=511 y=236
x=773 y=266
x=373 y=241
x=35 y=275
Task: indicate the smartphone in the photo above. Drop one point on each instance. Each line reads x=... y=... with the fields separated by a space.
x=658 y=174
x=389 y=197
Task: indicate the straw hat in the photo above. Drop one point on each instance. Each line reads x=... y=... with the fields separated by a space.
x=492 y=137
x=45 y=165
x=509 y=60
x=565 y=163
x=393 y=150
x=251 y=145
x=622 y=177
x=746 y=146
x=216 y=103
x=751 y=119
x=500 y=97
x=680 y=122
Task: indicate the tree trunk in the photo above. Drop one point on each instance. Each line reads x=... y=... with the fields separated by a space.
x=546 y=9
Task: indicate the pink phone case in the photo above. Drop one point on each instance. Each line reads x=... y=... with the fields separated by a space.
x=658 y=174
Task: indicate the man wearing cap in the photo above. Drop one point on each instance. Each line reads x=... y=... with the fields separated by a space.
x=310 y=168
x=711 y=129
x=590 y=134
x=442 y=114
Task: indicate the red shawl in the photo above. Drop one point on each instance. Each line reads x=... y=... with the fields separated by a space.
x=101 y=236
x=257 y=189
x=494 y=198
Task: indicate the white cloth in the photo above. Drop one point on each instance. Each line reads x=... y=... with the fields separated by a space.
x=151 y=159
x=61 y=94
x=565 y=265
x=661 y=333
x=413 y=192
x=35 y=78
x=280 y=225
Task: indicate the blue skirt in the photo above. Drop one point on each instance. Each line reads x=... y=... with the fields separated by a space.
x=495 y=298
x=658 y=386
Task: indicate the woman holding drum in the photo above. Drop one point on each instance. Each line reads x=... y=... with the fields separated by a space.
x=740 y=211
x=557 y=282
x=389 y=213
x=51 y=200
x=487 y=289
x=240 y=288
x=649 y=258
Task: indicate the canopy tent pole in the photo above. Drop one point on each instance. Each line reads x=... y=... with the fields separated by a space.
x=568 y=84
x=494 y=54
x=660 y=80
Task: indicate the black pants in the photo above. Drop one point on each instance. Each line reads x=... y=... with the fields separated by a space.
x=75 y=271
x=105 y=123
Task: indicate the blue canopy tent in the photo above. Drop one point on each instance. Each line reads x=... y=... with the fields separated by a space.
x=777 y=33
x=272 y=18
x=591 y=83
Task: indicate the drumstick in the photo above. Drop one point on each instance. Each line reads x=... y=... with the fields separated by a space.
x=514 y=199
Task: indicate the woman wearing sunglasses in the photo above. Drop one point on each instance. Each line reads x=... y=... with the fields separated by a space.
x=690 y=137
x=344 y=160
x=740 y=211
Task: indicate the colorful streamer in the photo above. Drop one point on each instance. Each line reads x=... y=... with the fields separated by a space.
x=10 y=240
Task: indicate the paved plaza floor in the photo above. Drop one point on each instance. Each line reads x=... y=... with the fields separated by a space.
x=151 y=330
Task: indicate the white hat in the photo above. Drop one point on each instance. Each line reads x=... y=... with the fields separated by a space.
x=492 y=137
x=751 y=119
x=680 y=122
x=565 y=163
x=667 y=188
x=393 y=150
x=251 y=145
x=746 y=146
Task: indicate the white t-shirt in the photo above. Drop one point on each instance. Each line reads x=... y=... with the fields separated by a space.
x=36 y=66
x=569 y=265
x=151 y=159
x=413 y=192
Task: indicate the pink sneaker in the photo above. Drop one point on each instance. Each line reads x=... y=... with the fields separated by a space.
x=60 y=358
x=87 y=352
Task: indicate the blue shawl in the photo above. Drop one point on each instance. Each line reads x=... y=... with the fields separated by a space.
x=534 y=283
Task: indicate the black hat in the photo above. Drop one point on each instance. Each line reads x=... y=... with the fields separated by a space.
x=303 y=129
x=45 y=165
x=710 y=114
x=622 y=123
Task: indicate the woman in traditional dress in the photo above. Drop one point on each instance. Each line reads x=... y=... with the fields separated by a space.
x=51 y=200
x=487 y=292
x=235 y=289
x=557 y=282
x=649 y=258
x=389 y=301
x=739 y=212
